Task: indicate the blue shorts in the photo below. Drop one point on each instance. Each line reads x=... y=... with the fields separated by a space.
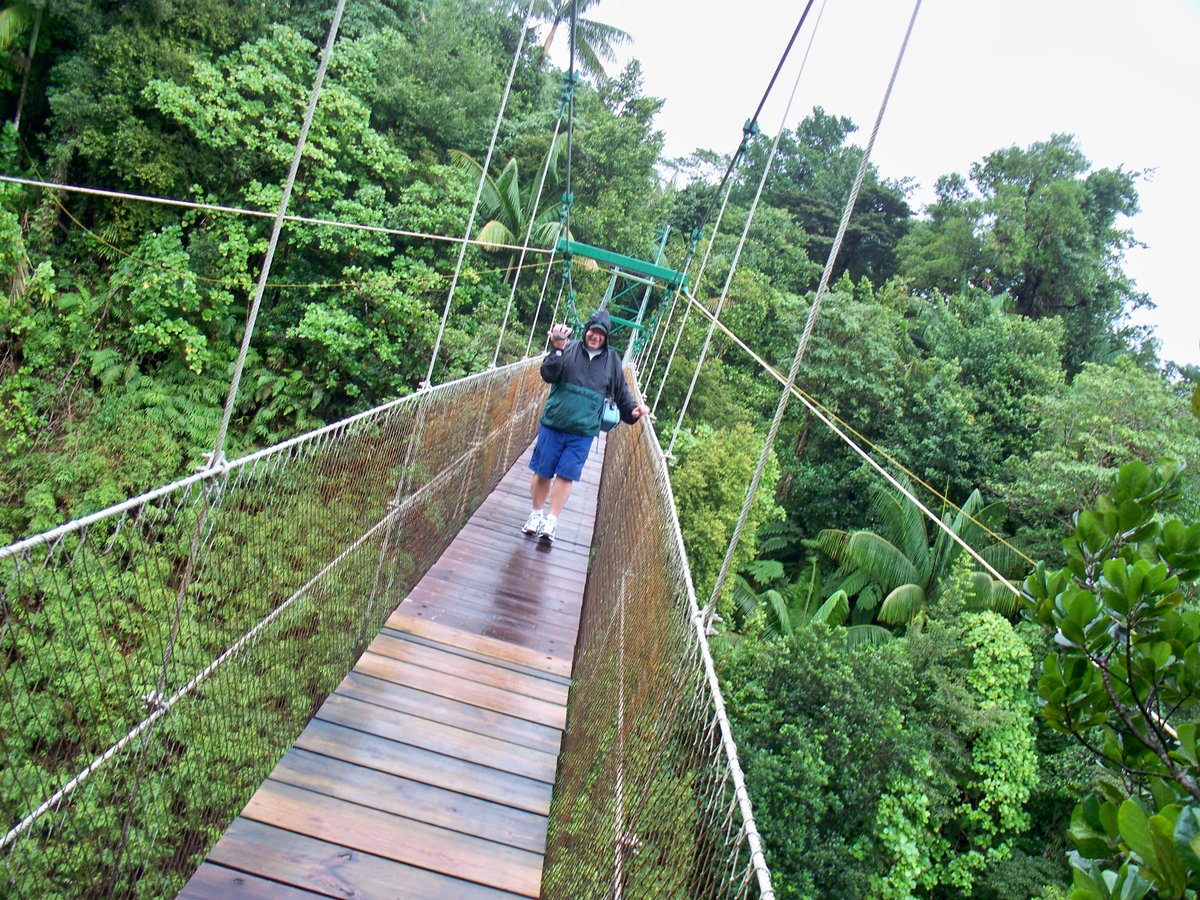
x=559 y=453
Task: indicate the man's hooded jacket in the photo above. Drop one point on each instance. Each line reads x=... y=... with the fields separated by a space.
x=580 y=383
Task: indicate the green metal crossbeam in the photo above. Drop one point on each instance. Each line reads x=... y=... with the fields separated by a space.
x=626 y=263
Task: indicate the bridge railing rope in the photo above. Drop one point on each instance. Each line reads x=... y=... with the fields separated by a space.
x=158 y=657
x=649 y=800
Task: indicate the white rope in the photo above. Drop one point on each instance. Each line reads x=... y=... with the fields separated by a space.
x=483 y=174
x=219 y=449
x=259 y=213
x=737 y=255
x=525 y=245
x=726 y=564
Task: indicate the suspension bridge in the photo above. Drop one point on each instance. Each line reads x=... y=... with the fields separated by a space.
x=335 y=667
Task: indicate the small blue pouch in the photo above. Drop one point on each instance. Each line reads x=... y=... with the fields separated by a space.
x=609 y=416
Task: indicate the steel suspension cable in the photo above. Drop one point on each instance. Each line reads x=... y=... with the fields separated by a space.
x=745 y=234
x=786 y=394
x=218 y=455
x=487 y=162
x=748 y=131
x=752 y=124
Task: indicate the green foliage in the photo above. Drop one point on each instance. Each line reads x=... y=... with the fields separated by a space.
x=811 y=178
x=438 y=84
x=710 y=479
x=767 y=604
x=881 y=774
x=595 y=42
x=890 y=771
x=508 y=209
x=1042 y=231
x=1124 y=680
x=821 y=734
x=1108 y=414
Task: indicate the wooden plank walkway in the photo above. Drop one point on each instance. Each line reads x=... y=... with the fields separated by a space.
x=428 y=772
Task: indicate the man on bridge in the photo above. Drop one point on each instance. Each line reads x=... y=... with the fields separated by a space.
x=582 y=374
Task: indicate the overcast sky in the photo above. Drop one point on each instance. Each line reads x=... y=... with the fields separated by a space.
x=1123 y=78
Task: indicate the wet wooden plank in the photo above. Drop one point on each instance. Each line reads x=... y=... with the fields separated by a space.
x=329 y=869
x=457 y=688
x=397 y=838
x=478 y=657
x=401 y=620
x=438 y=737
x=485 y=605
x=461 y=715
x=426 y=766
x=213 y=882
x=499 y=627
x=440 y=661
x=412 y=799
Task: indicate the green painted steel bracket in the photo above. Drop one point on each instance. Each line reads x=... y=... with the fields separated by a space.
x=628 y=263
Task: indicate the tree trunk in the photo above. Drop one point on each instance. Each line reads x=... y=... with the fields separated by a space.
x=37 y=24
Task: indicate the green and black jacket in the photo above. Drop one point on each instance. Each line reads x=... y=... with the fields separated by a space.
x=579 y=385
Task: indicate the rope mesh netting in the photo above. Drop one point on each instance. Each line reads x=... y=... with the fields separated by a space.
x=158 y=658
x=648 y=800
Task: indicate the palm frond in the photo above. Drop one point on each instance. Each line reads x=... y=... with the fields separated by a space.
x=901 y=522
x=832 y=612
x=508 y=195
x=832 y=543
x=1002 y=600
x=14 y=19
x=777 y=535
x=494 y=235
x=868 y=598
x=902 y=604
x=866 y=635
x=882 y=560
x=852 y=582
x=489 y=197
x=781 y=619
x=808 y=587
x=546 y=229
x=1006 y=559
x=745 y=598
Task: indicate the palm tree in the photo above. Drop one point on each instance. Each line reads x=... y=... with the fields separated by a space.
x=595 y=42
x=898 y=570
x=507 y=206
x=787 y=606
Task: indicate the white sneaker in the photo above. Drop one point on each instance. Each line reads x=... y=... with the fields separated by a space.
x=545 y=530
x=534 y=523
